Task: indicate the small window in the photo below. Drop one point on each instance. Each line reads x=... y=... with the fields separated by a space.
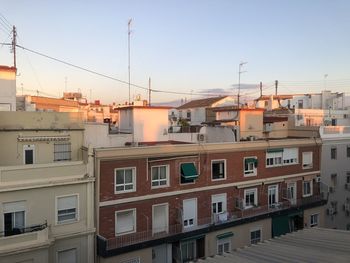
x=348 y=151
x=313 y=220
x=250 y=198
x=307 y=160
x=188 y=115
x=125 y=222
x=334 y=179
x=188 y=173
x=67 y=209
x=333 y=153
x=250 y=166
x=223 y=245
x=218 y=169
x=125 y=180
x=348 y=177
x=300 y=104
x=28 y=154
x=255 y=236
x=62 y=152
x=160 y=176
x=307 y=188
x=67 y=256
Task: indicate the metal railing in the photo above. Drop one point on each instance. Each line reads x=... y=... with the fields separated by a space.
x=217 y=219
x=18 y=231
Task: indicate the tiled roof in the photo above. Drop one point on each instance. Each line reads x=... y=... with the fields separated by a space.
x=201 y=103
x=309 y=245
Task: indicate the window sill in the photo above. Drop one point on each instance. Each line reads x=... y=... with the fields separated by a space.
x=124 y=192
x=67 y=222
x=218 y=179
x=124 y=233
x=307 y=195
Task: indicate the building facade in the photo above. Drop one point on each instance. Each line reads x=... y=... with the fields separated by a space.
x=46 y=189
x=177 y=203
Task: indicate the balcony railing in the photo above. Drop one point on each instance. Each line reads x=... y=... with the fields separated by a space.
x=17 y=231
x=218 y=219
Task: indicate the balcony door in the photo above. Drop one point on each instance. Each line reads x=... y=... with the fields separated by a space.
x=273 y=195
x=292 y=193
x=189 y=213
x=160 y=218
x=14 y=218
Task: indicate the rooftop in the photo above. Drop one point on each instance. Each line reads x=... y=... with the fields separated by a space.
x=201 y=103
x=308 y=245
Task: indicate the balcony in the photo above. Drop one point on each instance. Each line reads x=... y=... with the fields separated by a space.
x=225 y=219
x=21 y=238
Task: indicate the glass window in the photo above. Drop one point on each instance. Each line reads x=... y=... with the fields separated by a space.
x=218 y=169
x=67 y=209
x=250 y=198
x=188 y=250
x=307 y=188
x=314 y=220
x=125 y=222
x=255 y=236
x=28 y=154
x=224 y=245
x=125 y=180
x=348 y=151
x=273 y=195
x=160 y=175
x=307 y=160
x=62 y=151
x=250 y=166
x=333 y=153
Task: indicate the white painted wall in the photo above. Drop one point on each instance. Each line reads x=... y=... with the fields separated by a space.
x=197 y=116
x=7 y=91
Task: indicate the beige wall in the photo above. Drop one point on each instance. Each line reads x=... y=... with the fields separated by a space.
x=35 y=256
x=251 y=123
x=241 y=235
x=144 y=254
x=316 y=210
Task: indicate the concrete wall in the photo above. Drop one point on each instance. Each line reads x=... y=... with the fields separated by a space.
x=339 y=166
x=145 y=256
x=316 y=210
x=7 y=89
x=251 y=123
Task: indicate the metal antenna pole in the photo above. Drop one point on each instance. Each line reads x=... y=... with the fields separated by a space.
x=149 y=91
x=129 y=33
x=239 y=80
x=14 y=43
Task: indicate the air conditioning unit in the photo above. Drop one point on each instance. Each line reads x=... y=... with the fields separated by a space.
x=318 y=179
x=200 y=137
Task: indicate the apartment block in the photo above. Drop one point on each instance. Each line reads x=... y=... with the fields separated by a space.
x=180 y=202
x=46 y=189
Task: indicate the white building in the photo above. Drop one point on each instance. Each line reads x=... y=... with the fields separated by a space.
x=7 y=88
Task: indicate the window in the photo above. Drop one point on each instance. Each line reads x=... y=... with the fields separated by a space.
x=125 y=222
x=255 y=236
x=67 y=207
x=125 y=180
x=188 y=173
x=160 y=175
x=300 y=104
x=334 y=179
x=62 y=151
x=67 y=256
x=290 y=156
x=348 y=177
x=188 y=250
x=218 y=169
x=273 y=195
x=250 y=166
x=160 y=218
x=250 y=198
x=223 y=244
x=313 y=220
x=274 y=157
x=307 y=160
x=333 y=153
x=14 y=218
x=188 y=114
x=307 y=188
x=348 y=151
x=28 y=154
x=189 y=212
x=219 y=207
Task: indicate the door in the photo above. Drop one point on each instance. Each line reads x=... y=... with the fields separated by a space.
x=292 y=193
x=190 y=213
x=273 y=195
x=160 y=218
x=14 y=223
x=162 y=254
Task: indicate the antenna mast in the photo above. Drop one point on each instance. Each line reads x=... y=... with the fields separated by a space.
x=239 y=80
x=14 y=43
x=129 y=33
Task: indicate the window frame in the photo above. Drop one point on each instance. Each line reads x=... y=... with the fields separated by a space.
x=248 y=191
x=274 y=158
x=307 y=165
x=134 y=221
x=254 y=241
x=311 y=188
x=314 y=223
x=276 y=194
x=334 y=150
x=193 y=180
x=133 y=180
x=62 y=152
x=77 y=212
x=167 y=176
x=225 y=167
x=28 y=147
x=222 y=242
x=254 y=170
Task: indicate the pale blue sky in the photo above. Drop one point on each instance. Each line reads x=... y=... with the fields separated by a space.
x=181 y=45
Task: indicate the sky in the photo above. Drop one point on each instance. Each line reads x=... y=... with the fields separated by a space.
x=192 y=47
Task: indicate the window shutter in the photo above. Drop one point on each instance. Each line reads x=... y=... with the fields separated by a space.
x=68 y=202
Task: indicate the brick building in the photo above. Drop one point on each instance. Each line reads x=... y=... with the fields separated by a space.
x=179 y=202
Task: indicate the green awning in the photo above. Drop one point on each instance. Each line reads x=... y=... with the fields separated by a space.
x=251 y=160
x=189 y=171
x=224 y=235
x=275 y=150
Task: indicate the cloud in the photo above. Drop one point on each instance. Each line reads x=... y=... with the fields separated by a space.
x=215 y=91
x=246 y=86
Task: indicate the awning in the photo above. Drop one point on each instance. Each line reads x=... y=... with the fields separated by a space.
x=224 y=235
x=193 y=237
x=275 y=150
x=251 y=160
x=189 y=171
